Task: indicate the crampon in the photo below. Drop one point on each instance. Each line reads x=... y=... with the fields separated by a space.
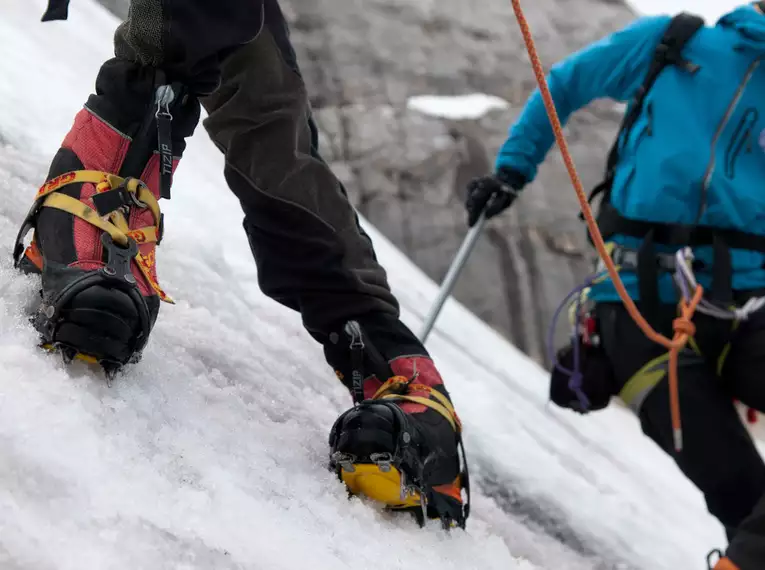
x=97 y=220
x=402 y=447
x=97 y=316
x=398 y=479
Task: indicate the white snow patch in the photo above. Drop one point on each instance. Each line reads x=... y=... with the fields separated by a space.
x=711 y=10
x=473 y=106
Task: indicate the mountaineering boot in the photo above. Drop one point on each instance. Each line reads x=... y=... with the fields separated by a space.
x=400 y=445
x=97 y=221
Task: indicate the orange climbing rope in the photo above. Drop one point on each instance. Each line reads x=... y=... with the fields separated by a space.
x=683 y=326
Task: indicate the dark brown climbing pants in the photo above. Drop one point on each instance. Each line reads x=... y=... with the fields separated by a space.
x=311 y=253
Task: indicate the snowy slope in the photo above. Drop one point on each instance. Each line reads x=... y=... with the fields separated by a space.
x=210 y=453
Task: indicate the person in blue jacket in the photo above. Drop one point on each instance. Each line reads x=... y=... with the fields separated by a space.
x=688 y=170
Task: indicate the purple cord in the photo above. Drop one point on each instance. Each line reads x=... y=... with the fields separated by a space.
x=575 y=375
x=575 y=381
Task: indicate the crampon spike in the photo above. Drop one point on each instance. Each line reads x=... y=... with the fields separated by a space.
x=419 y=516
x=110 y=371
x=447 y=522
x=422 y=514
x=67 y=354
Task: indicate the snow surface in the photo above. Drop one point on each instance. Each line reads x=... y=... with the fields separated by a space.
x=210 y=453
x=472 y=106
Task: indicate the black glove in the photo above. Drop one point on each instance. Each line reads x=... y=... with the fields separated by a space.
x=504 y=187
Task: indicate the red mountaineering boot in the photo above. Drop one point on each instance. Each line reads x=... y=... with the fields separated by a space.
x=400 y=444
x=97 y=220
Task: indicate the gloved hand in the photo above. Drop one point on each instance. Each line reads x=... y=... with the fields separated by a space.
x=504 y=186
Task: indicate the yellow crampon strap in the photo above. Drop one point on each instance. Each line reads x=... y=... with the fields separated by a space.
x=440 y=404
x=84 y=212
x=78 y=177
x=113 y=224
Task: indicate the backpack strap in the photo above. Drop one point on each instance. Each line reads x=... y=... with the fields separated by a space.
x=669 y=52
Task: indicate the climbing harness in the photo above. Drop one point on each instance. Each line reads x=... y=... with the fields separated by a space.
x=686 y=282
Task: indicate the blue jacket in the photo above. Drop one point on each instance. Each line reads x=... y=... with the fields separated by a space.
x=706 y=128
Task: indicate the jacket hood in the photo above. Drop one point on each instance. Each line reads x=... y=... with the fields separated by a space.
x=750 y=25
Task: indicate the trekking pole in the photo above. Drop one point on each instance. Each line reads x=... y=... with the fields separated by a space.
x=451 y=276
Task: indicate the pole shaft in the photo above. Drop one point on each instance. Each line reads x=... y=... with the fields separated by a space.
x=451 y=276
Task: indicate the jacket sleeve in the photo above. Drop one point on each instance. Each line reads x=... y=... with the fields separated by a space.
x=612 y=67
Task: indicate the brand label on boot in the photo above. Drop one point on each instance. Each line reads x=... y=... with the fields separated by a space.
x=55 y=183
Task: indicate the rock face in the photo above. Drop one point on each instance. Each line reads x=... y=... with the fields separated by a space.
x=406 y=172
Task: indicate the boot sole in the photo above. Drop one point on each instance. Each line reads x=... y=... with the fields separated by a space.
x=381 y=486
x=385 y=486
x=72 y=352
